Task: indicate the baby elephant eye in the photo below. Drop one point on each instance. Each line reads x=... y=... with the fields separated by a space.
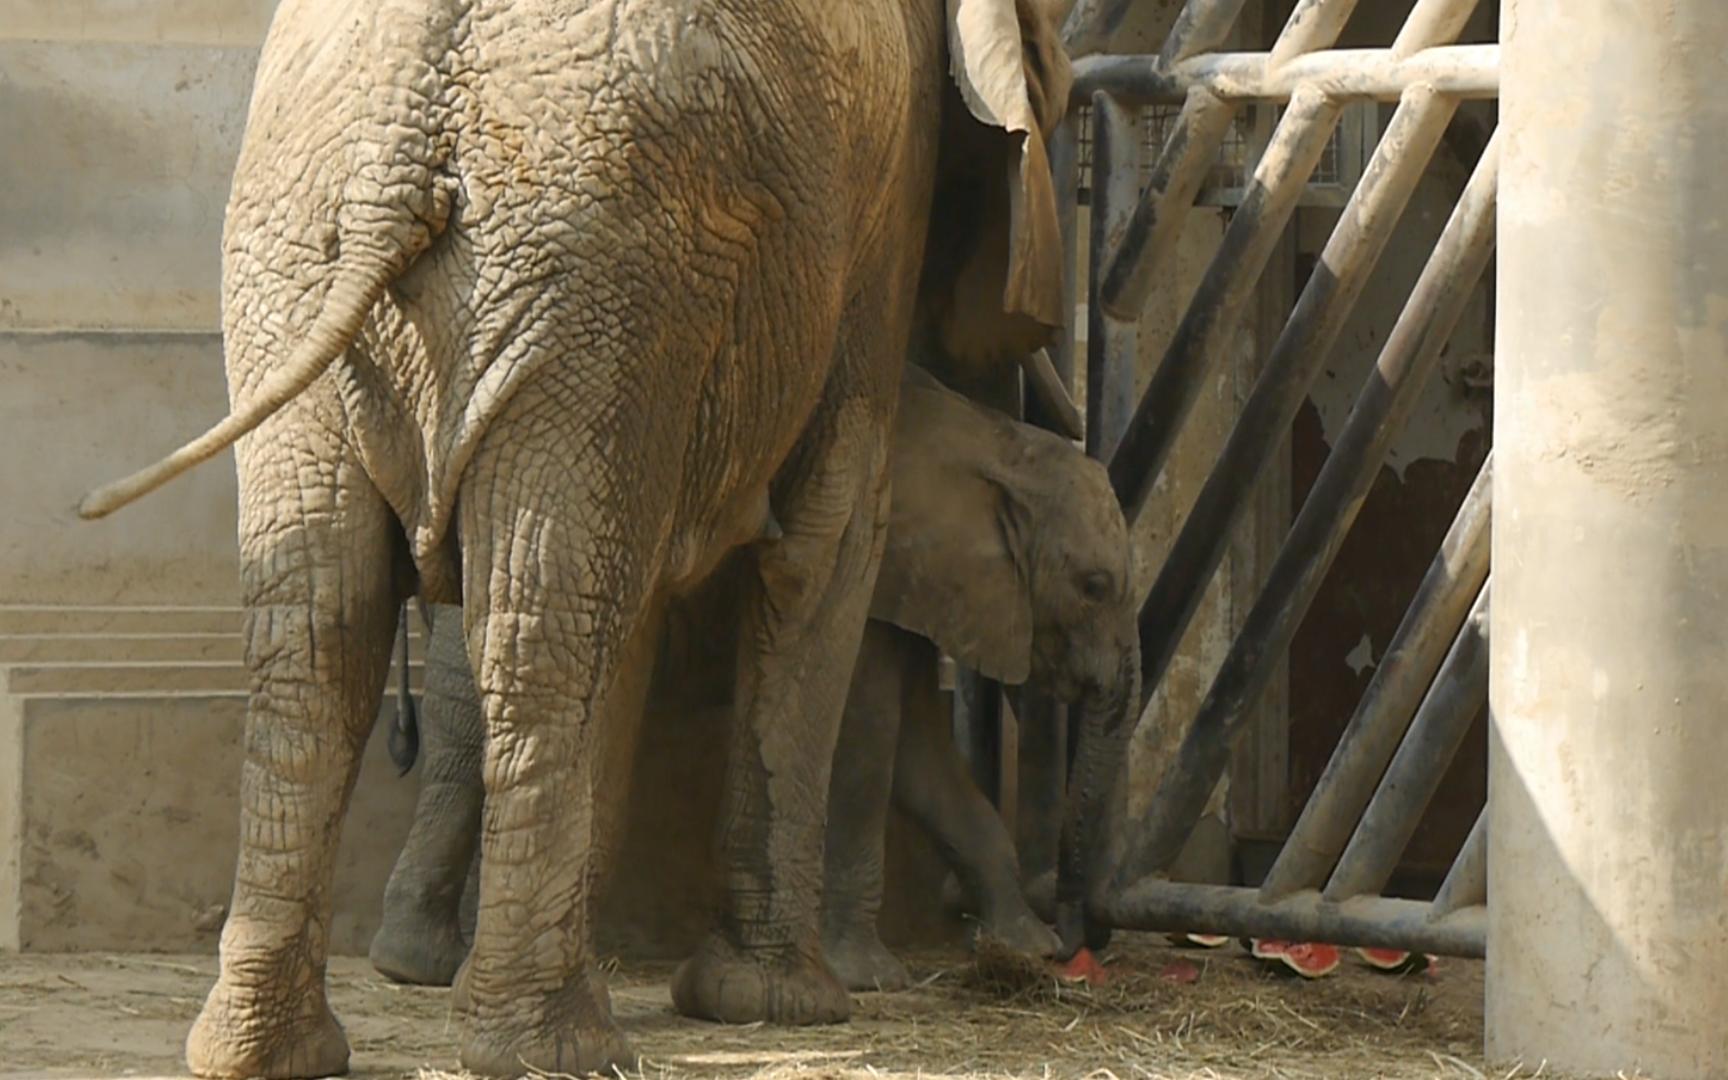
x=1097 y=586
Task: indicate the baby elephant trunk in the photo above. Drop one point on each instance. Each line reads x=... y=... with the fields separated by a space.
x=1106 y=719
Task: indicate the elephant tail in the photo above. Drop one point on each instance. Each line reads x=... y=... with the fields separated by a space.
x=349 y=300
x=404 y=740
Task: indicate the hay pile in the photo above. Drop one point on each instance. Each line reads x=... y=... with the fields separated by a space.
x=998 y=1016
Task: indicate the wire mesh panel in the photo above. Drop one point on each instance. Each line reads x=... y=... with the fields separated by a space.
x=1265 y=132
x=1226 y=179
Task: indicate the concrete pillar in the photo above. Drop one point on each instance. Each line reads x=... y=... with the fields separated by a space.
x=1608 y=857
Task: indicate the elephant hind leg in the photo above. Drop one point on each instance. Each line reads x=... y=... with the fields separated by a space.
x=318 y=550
x=802 y=623
x=420 y=937
x=554 y=598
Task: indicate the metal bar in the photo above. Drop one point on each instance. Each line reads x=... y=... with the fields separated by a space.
x=1296 y=359
x=1383 y=405
x=1462 y=71
x=1110 y=343
x=1456 y=698
x=1383 y=715
x=1313 y=25
x=1041 y=781
x=1466 y=884
x=1369 y=921
x=1065 y=169
x=978 y=724
x=1152 y=232
x=1431 y=22
x=1188 y=154
x=1216 y=308
x=1201 y=27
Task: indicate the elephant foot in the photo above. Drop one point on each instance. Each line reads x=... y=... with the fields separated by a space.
x=420 y=950
x=725 y=983
x=862 y=962
x=567 y=1051
x=1020 y=931
x=566 y=1033
x=236 y=1035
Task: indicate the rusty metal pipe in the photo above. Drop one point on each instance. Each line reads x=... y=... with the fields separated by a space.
x=1387 y=397
x=1110 y=343
x=1461 y=71
x=1216 y=309
x=1366 y=921
x=1466 y=882
x=1149 y=239
x=1456 y=698
x=1313 y=25
x=1419 y=646
x=1431 y=22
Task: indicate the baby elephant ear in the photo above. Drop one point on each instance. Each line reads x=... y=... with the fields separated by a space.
x=1007 y=59
x=951 y=565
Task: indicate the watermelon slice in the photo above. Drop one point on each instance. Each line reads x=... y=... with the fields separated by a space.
x=1180 y=971
x=1309 y=959
x=1396 y=961
x=1083 y=967
x=1201 y=941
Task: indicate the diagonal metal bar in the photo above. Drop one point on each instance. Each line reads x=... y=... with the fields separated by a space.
x=1296 y=359
x=1461 y=71
x=1432 y=21
x=1297 y=356
x=1372 y=921
x=1466 y=883
x=1110 y=343
x=1313 y=25
x=1152 y=233
x=1065 y=169
x=1457 y=696
x=1383 y=715
x=1200 y=27
x=1216 y=309
x=1387 y=397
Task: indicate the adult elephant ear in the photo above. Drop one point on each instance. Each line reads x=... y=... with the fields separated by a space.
x=953 y=563
x=1006 y=57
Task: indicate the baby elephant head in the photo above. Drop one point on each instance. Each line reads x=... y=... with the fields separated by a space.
x=1006 y=546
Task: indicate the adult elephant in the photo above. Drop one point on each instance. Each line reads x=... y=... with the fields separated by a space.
x=544 y=306
x=1007 y=547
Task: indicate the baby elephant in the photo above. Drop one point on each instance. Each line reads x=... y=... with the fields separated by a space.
x=1006 y=549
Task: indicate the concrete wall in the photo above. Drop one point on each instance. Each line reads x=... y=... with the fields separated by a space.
x=122 y=121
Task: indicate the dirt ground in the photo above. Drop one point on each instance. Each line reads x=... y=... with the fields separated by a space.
x=1165 y=1013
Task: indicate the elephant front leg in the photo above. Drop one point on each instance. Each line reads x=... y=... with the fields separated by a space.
x=934 y=786
x=859 y=794
x=320 y=612
x=420 y=937
x=800 y=636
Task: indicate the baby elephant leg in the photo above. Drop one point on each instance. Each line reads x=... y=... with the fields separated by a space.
x=858 y=798
x=931 y=784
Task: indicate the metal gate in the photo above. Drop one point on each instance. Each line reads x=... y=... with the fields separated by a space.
x=1327 y=880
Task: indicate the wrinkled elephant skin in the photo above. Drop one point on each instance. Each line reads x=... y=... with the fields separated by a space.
x=1006 y=545
x=543 y=307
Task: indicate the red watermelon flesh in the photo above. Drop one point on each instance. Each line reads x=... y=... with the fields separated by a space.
x=1309 y=959
x=1395 y=960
